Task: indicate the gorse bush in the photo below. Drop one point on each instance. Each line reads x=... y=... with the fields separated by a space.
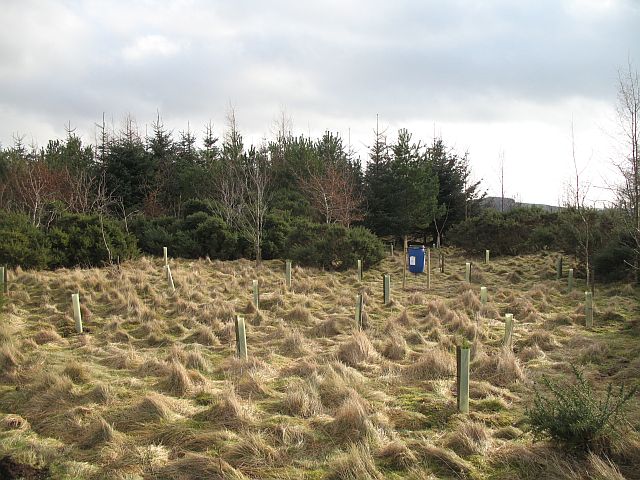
x=575 y=415
x=22 y=243
x=201 y=234
x=88 y=240
x=333 y=247
x=68 y=240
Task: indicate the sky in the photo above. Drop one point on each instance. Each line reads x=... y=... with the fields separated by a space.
x=497 y=79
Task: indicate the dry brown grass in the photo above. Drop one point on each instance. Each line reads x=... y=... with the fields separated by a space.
x=469 y=438
x=355 y=463
x=229 y=410
x=397 y=455
x=502 y=368
x=433 y=364
x=315 y=398
x=302 y=399
x=196 y=466
x=357 y=349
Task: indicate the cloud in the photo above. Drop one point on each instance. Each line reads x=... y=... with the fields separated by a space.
x=150 y=46
x=506 y=69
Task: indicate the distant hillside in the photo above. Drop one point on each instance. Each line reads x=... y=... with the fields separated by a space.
x=510 y=204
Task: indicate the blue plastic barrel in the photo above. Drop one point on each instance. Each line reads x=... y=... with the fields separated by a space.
x=416 y=258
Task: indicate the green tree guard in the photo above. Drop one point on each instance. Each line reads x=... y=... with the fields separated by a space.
x=77 y=314
x=359 y=305
x=165 y=254
x=508 y=330
x=588 y=309
x=559 y=268
x=256 y=295
x=241 y=338
x=486 y=257
x=483 y=295
x=287 y=274
x=467 y=272
x=386 y=288
x=570 y=280
x=391 y=250
x=359 y=270
x=428 y=269
x=463 y=356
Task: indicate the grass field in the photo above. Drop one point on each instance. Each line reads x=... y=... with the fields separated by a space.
x=152 y=389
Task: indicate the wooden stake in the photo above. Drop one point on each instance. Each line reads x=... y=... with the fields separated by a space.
x=441 y=262
x=77 y=313
x=241 y=338
x=256 y=295
x=170 y=283
x=588 y=309
x=386 y=289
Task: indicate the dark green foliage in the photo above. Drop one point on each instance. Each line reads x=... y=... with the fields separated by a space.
x=332 y=246
x=402 y=190
x=196 y=236
x=576 y=416
x=278 y=226
x=511 y=233
x=613 y=262
x=88 y=240
x=21 y=243
x=70 y=240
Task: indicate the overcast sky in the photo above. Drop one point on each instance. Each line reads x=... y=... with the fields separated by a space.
x=488 y=76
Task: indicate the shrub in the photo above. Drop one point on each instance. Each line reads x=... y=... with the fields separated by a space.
x=575 y=416
x=512 y=233
x=333 y=246
x=22 y=243
x=613 y=262
x=82 y=240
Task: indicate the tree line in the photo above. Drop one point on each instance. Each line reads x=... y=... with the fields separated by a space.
x=144 y=181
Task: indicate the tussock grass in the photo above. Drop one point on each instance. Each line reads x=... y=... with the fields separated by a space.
x=397 y=455
x=77 y=372
x=357 y=349
x=355 y=463
x=45 y=336
x=433 y=364
x=302 y=399
x=154 y=389
x=196 y=466
x=469 y=438
x=229 y=411
x=178 y=382
x=501 y=368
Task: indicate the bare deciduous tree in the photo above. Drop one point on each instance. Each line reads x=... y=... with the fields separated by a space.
x=628 y=110
x=334 y=194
